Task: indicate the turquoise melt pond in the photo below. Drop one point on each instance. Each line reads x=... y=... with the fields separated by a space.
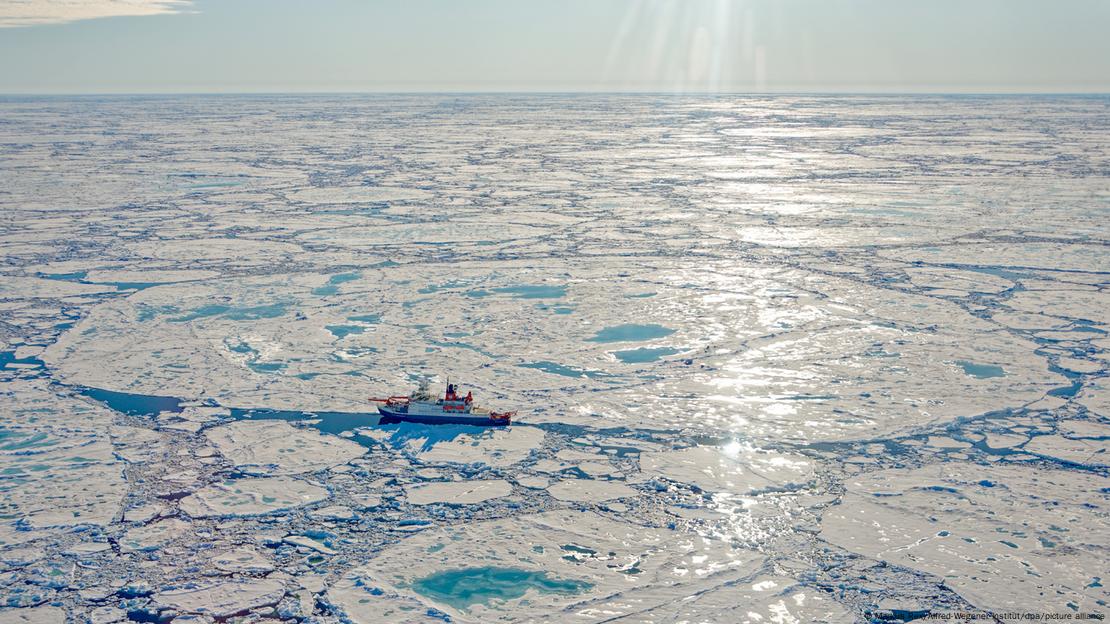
x=530 y=291
x=332 y=287
x=641 y=356
x=631 y=333
x=981 y=371
x=342 y=331
x=254 y=313
x=469 y=586
x=565 y=371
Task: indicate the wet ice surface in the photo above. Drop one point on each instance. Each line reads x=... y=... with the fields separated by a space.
x=821 y=358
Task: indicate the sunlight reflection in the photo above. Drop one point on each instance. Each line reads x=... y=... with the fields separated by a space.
x=732 y=449
x=690 y=45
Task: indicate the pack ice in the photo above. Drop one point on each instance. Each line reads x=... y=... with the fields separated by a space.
x=774 y=359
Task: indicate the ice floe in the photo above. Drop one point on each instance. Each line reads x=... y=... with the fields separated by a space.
x=242 y=560
x=153 y=536
x=773 y=358
x=223 y=600
x=589 y=491
x=251 y=496
x=457 y=492
x=494 y=447
x=274 y=447
x=587 y=565
x=1006 y=538
x=33 y=615
x=730 y=469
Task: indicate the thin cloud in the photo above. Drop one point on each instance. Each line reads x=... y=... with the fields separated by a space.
x=15 y=13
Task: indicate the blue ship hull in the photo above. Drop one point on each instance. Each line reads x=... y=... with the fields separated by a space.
x=392 y=415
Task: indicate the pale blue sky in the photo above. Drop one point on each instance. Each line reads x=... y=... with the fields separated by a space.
x=558 y=45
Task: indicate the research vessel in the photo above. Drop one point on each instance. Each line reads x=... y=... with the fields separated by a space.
x=422 y=407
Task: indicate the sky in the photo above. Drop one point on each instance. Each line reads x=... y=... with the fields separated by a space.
x=679 y=46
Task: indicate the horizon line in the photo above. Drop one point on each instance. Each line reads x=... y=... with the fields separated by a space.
x=550 y=92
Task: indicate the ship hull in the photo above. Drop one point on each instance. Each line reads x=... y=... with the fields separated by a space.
x=393 y=415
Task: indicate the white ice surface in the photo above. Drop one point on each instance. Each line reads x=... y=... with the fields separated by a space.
x=1006 y=538
x=583 y=490
x=222 y=600
x=879 y=291
x=457 y=492
x=274 y=447
x=494 y=447
x=730 y=469
x=34 y=615
x=840 y=348
x=251 y=496
x=633 y=571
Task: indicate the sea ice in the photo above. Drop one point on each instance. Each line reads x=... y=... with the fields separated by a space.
x=242 y=560
x=274 y=447
x=622 y=569
x=153 y=536
x=782 y=357
x=500 y=447
x=1084 y=452
x=731 y=469
x=1006 y=538
x=457 y=492
x=225 y=599
x=33 y=615
x=589 y=491
x=251 y=496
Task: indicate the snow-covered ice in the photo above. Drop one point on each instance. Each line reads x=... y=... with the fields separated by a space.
x=591 y=491
x=998 y=535
x=251 y=496
x=781 y=358
x=275 y=447
x=616 y=569
x=730 y=468
x=223 y=600
x=457 y=492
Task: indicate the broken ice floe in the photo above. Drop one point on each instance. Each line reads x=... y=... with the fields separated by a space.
x=607 y=567
x=582 y=490
x=1006 y=538
x=801 y=325
x=457 y=492
x=251 y=496
x=223 y=600
x=267 y=447
x=268 y=344
x=730 y=469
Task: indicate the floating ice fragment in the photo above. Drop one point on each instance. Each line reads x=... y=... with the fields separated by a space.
x=501 y=447
x=153 y=536
x=732 y=469
x=33 y=615
x=995 y=520
x=251 y=497
x=309 y=543
x=334 y=512
x=533 y=483
x=242 y=560
x=457 y=492
x=630 y=572
x=589 y=491
x=1084 y=452
x=223 y=600
x=276 y=447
